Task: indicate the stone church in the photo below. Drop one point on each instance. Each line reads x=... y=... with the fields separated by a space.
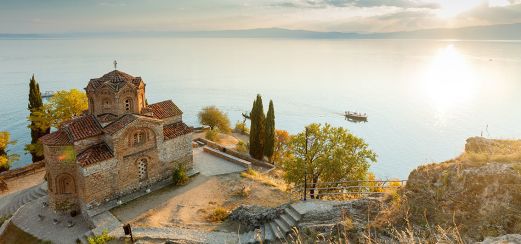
x=119 y=146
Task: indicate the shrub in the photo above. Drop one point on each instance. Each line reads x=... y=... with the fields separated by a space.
x=214 y=118
x=219 y=214
x=245 y=191
x=212 y=135
x=179 y=177
x=241 y=147
x=101 y=239
x=240 y=127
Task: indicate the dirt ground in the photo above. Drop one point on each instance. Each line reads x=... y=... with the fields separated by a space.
x=191 y=208
x=24 y=182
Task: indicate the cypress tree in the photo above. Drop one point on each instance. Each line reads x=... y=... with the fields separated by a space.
x=35 y=105
x=269 y=139
x=257 y=129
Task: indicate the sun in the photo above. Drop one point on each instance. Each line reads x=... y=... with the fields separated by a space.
x=449 y=80
x=451 y=8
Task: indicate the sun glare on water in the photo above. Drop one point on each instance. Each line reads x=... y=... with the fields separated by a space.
x=449 y=80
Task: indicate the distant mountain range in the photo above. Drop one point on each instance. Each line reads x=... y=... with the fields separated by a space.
x=493 y=32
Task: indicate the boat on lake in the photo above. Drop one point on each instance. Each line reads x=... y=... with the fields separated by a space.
x=48 y=94
x=356 y=116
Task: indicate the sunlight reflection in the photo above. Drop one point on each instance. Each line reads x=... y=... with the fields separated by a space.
x=449 y=80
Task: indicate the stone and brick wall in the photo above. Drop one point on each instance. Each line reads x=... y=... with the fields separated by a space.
x=177 y=150
x=62 y=175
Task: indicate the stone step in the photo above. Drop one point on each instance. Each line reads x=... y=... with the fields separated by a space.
x=293 y=213
x=276 y=231
x=289 y=220
x=268 y=233
x=282 y=225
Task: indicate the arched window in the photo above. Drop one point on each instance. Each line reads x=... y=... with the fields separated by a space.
x=106 y=104
x=65 y=184
x=142 y=169
x=139 y=138
x=128 y=105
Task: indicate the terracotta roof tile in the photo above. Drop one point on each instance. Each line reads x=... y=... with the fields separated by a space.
x=114 y=79
x=108 y=117
x=176 y=129
x=119 y=124
x=165 y=109
x=57 y=138
x=94 y=154
x=82 y=127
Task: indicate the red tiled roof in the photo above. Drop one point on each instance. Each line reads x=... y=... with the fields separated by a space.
x=94 y=154
x=114 y=79
x=57 y=138
x=83 y=127
x=108 y=117
x=119 y=124
x=176 y=129
x=165 y=109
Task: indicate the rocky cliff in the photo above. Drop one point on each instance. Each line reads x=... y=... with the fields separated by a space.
x=478 y=194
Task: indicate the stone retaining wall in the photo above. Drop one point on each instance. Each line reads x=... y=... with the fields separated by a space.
x=26 y=170
x=237 y=154
x=227 y=157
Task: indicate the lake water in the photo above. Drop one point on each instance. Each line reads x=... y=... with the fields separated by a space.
x=423 y=97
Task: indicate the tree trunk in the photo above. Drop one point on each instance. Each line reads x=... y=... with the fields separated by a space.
x=312 y=191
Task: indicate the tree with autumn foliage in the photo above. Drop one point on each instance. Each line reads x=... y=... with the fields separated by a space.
x=62 y=106
x=282 y=150
x=6 y=159
x=327 y=154
x=215 y=118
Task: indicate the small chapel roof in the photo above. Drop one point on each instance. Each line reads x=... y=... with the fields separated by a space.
x=73 y=130
x=165 y=109
x=115 y=80
x=83 y=127
x=119 y=124
x=57 y=138
x=176 y=129
x=94 y=154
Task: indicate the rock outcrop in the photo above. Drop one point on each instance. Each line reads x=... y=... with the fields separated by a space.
x=479 y=193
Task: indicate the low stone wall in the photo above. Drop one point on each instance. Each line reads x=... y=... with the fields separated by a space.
x=26 y=170
x=237 y=154
x=227 y=157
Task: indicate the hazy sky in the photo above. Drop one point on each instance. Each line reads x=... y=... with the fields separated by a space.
x=43 y=16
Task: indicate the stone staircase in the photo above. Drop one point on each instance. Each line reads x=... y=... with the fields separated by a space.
x=21 y=198
x=274 y=230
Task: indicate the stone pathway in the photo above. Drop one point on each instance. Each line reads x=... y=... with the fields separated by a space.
x=40 y=221
x=210 y=165
x=12 y=202
x=188 y=235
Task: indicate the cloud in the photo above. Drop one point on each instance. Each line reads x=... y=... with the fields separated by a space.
x=356 y=3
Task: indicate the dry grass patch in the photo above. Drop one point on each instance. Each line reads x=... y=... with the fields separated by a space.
x=264 y=179
x=218 y=214
x=245 y=191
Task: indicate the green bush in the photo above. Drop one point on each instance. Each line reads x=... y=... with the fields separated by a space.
x=101 y=239
x=212 y=135
x=240 y=127
x=241 y=147
x=179 y=176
